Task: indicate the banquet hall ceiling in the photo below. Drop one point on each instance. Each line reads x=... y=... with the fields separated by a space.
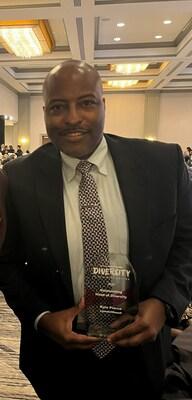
x=85 y=29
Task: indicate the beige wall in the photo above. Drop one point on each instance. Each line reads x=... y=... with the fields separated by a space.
x=9 y=106
x=8 y=102
x=37 y=125
x=175 y=118
x=125 y=114
x=9 y=135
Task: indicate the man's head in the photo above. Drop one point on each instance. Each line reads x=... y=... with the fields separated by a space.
x=74 y=108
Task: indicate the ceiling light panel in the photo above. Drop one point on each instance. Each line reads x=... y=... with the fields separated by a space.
x=122 y=83
x=25 y=39
x=129 y=68
x=30 y=3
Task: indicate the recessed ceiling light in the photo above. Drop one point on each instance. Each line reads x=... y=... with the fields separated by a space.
x=158 y=36
x=167 y=22
x=116 y=39
x=129 y=68
x=120 y=24
x=122 y=84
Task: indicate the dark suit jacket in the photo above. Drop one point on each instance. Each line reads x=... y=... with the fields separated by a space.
x=3 y=186
x=35 y=271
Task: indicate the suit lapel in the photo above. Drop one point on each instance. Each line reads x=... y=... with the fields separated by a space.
x=133 y=179
x=49 y=191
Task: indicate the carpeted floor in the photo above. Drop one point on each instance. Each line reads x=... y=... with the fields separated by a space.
x=13 y=384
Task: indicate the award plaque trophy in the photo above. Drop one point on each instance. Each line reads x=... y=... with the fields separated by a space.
x=110 y=292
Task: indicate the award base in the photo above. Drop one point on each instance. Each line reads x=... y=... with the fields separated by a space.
x=98 y=331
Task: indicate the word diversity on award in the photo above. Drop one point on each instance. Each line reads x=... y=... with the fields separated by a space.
x=110 y=293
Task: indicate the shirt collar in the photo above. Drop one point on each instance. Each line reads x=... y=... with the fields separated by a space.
x=98 y=158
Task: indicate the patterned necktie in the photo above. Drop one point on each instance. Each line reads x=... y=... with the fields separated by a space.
x=95 y=243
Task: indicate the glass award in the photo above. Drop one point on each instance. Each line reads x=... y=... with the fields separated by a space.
x=110 y=292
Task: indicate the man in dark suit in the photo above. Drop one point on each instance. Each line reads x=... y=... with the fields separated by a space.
x=147 y=204
x=3 y=187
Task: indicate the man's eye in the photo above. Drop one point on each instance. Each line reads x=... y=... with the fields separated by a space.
x=56 y=108
x=88 y=102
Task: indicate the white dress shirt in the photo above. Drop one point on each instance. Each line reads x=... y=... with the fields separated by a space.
x=112 y=206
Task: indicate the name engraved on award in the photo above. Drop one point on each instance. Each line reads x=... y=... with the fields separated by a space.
x=112 y=292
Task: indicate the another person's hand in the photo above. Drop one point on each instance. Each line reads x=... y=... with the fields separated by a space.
x=58 y=326
x=175 y=332
x=145 y=327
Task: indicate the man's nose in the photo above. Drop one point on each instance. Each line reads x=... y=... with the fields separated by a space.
x=73 y=115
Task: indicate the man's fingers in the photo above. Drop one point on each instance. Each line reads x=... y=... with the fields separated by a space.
x=122 y=321
x=81 y=304
x=74 y=311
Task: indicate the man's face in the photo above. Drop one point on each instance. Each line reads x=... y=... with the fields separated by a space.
x=74 y=112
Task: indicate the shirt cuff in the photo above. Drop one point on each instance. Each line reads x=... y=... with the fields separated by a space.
x=38 y=319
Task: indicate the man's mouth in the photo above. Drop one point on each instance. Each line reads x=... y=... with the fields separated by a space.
x=75 y=133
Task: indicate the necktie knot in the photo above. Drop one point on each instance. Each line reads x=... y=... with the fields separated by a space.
x=84 y=167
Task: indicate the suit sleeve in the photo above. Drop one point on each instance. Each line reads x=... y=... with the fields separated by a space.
x=19 y=294
x=175 y=285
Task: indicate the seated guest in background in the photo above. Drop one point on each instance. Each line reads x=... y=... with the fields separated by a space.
x=19 y=151
x=3 y=186
x=4 y=149
x=11 y=149
x=185 y=321
x=147 y=213
x=188 y=151
x=188 y=156
x=188 y=162
x=179 y=372
x=26 y=152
